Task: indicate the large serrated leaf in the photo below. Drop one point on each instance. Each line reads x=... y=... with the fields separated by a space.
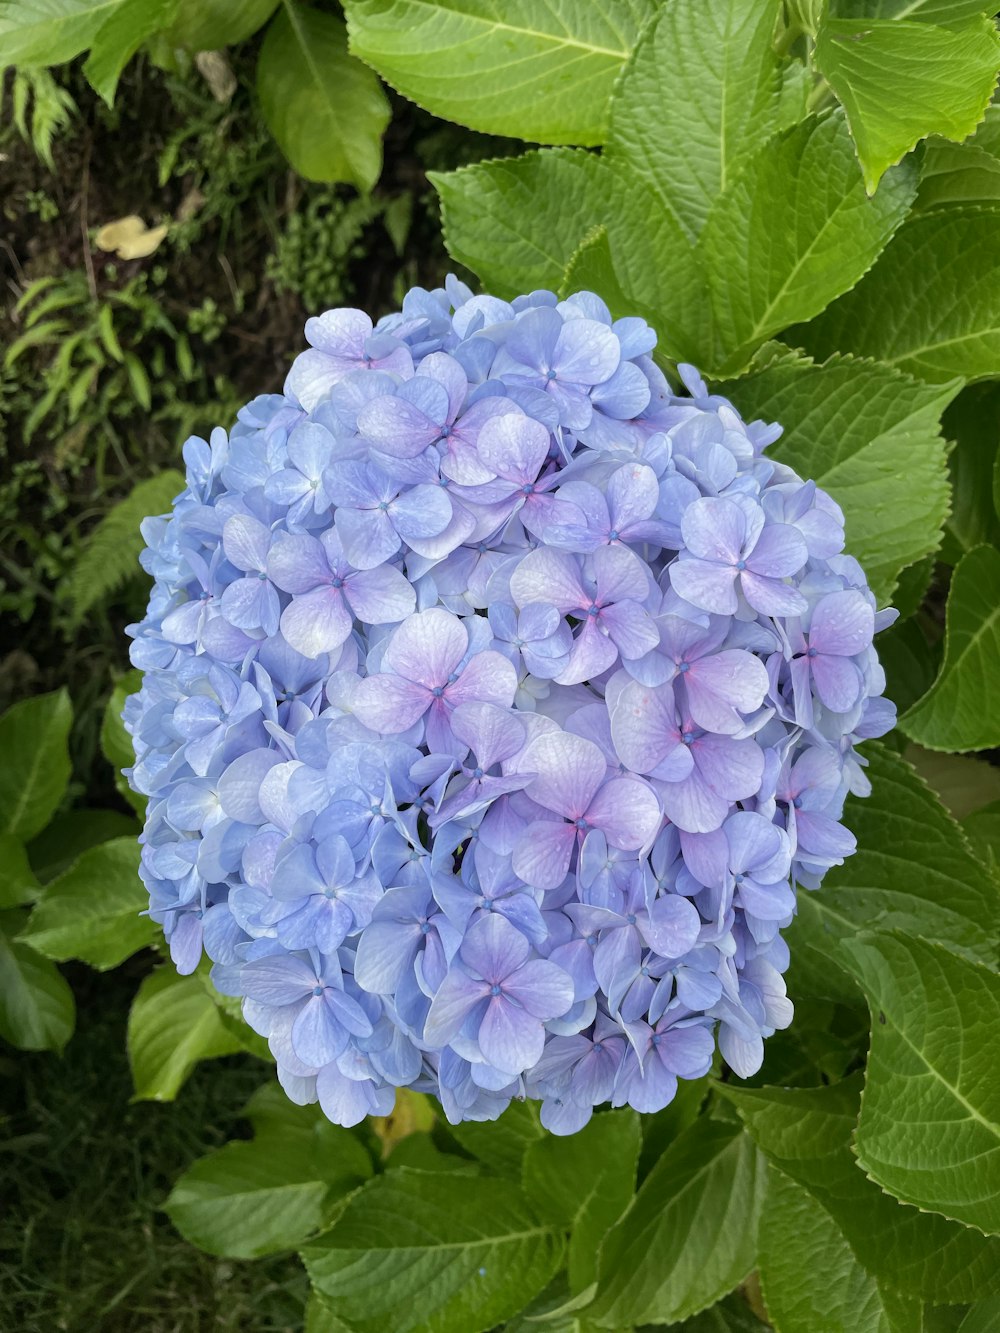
x=961 y=711
x=870 y=436
x=900 y=81
x=702 y=89
x=793 y=231
x=807 y=1132
x=35 y=764
x=117 y=39
x=930 y=306
x=325 y=109
x=929 y=1131
x=421 y=1249
x=48 y=32
x=542 y=72
x=172 y=1025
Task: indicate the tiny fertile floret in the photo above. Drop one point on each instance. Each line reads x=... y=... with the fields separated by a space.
x=496 y=698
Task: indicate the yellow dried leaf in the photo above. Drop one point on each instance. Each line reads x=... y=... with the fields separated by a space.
x=129 y=237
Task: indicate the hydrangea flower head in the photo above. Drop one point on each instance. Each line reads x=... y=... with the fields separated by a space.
x=496 y=699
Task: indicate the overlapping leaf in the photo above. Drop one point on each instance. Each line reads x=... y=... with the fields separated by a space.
x=35 y=767
x=37 y=1010
x=172 y=1025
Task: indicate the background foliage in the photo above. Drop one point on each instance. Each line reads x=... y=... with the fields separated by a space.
x=183 y=183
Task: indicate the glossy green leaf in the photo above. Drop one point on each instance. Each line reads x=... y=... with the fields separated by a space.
x=984 y=1317
x=251 y=1199
x=585 y=1181
x=973 y=422
x=900 y=81
x=171 y=1026
x=909 y=661
x=209 y=25
x=690 y=1235
x=730 y=1315
x=963 y=782
x=18 y=884
x=929 y=1131
x=48 y=32
x=961 y=711
x=423 y=1249
x=982 y=828
x=537 y=72
x=37 y=1011
x=810 y=1276
x=807 y=1132
x=58 y=846
x=909 y=311
x=943 y=12
x=119 y=37
x=957 y=174
x=91 y=912
x=325 y=109
x=701 y=92
x=116 y=743
x=35 y=768
x=870 y=436
x=793 y=231
x=516 y=222
x=501 y=1144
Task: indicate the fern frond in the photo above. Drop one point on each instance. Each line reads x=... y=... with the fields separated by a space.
x=110 y=556
x=52 y=108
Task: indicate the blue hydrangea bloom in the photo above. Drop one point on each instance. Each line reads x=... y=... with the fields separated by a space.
x=496 y=699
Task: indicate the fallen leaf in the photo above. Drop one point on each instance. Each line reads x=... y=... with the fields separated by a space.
x=129 y=237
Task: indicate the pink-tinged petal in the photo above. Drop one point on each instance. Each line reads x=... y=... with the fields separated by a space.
x=631 y=628
x=779 y=551
x=710 y=587
x=423 y=511
x=380 y=596
x=297 y=563
x=492 y=733
x=510 y=1039
x=542 y=988
x=725 y=681
x=592 y=653
x=542 y=854
x=714 y=528
x=770 y=597
x=549 y=576
x=458 y=530
x=838 y=682
x=245 y=541
x=692 y=804
x=619 y=574
x=627 y=813
x=493 y=948
x=675 y=765
x=568 y=769
x=732 y=768
x=514 y=447
x=368 y=536
x=427 y=647
x=389 y=704
x=842 y=623
x=644 y=726
x=401 y=428
x=457 y=996
x=317 y=622
x=489 y=677
x=706 y=856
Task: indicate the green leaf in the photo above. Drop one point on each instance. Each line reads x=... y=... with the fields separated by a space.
x=171 y=1026
x=961 y=711
x=870 y=436
x=982 y=828
x=913 y=869
x=701 y=91
x=423 y=1249
x=92 y=911
x=37 y=1012
x=538 y=72
x=116 y=743
x=327 y=112
x=251 y=1199
x=793 y=230
x=909 y=661
x=48 y=32
x=929 y=1131
x=973 y=422
x=900 y=81
x=516 y=222
x=690 y=1235
x=501 y=1144
x=982 y=1318
x=809 y=1275
x=730 y=1315
x=945 y=12
x=209 y=25
x=58 y=846
x=962 y=783
x=957 y=174
x=110 y=555
x=807 y=1132
x=18 y=885
x=119 y=37
x=906 y=312
x=585 y=1181
x=35 y=767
